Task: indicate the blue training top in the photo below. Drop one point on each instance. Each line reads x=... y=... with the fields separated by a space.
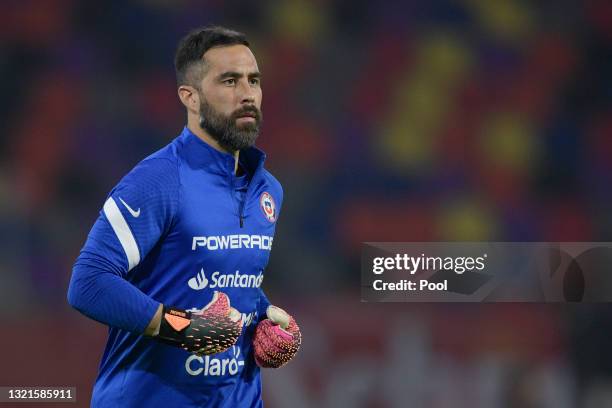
x=176 y=228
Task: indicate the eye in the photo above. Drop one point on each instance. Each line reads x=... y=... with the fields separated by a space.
x=254 y=81
x=230 y=81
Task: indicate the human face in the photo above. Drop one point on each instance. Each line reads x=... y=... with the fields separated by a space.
x=230 y=97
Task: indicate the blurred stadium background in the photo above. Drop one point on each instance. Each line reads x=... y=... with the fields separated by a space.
x=385 y=121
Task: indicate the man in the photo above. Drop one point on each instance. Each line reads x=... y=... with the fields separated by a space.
x=174 y=263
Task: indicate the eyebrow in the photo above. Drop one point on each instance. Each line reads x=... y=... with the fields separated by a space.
x=236 y=75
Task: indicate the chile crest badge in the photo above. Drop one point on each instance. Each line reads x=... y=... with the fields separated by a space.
x=268 y=207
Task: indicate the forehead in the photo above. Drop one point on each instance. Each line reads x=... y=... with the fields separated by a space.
x=237 y=58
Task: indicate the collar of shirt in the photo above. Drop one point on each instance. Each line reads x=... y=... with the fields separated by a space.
x=203 y=155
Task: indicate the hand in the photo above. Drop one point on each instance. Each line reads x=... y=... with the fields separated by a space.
x=277 y=339
x=211 y=330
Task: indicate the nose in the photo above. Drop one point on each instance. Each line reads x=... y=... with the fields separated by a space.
x=247 y=93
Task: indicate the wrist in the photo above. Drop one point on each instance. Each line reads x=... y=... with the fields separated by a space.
x=152 y=328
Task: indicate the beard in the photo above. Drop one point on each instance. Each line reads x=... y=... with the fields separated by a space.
x=224 y=129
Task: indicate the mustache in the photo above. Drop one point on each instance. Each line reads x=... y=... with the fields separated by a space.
x=252 y=110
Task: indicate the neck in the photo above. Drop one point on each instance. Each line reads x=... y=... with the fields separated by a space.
x=208 y=139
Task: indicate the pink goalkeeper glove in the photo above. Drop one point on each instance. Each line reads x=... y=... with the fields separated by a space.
x=277 y=339
x=211 y=330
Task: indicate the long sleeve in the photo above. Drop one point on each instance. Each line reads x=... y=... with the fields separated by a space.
x=262 y=305
x=136 y=214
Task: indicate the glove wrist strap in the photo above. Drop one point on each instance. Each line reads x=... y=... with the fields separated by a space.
x=174 y=323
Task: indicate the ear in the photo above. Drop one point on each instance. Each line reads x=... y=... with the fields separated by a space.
x=189 y=97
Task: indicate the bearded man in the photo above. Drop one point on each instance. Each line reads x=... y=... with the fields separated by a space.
x=175 y=261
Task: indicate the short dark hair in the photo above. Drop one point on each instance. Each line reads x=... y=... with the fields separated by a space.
x=192 y=47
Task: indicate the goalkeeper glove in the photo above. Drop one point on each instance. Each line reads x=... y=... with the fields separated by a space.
x=211 y=330
x=277 y=339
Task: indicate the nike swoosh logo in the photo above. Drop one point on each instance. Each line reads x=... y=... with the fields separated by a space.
x=135 y=214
